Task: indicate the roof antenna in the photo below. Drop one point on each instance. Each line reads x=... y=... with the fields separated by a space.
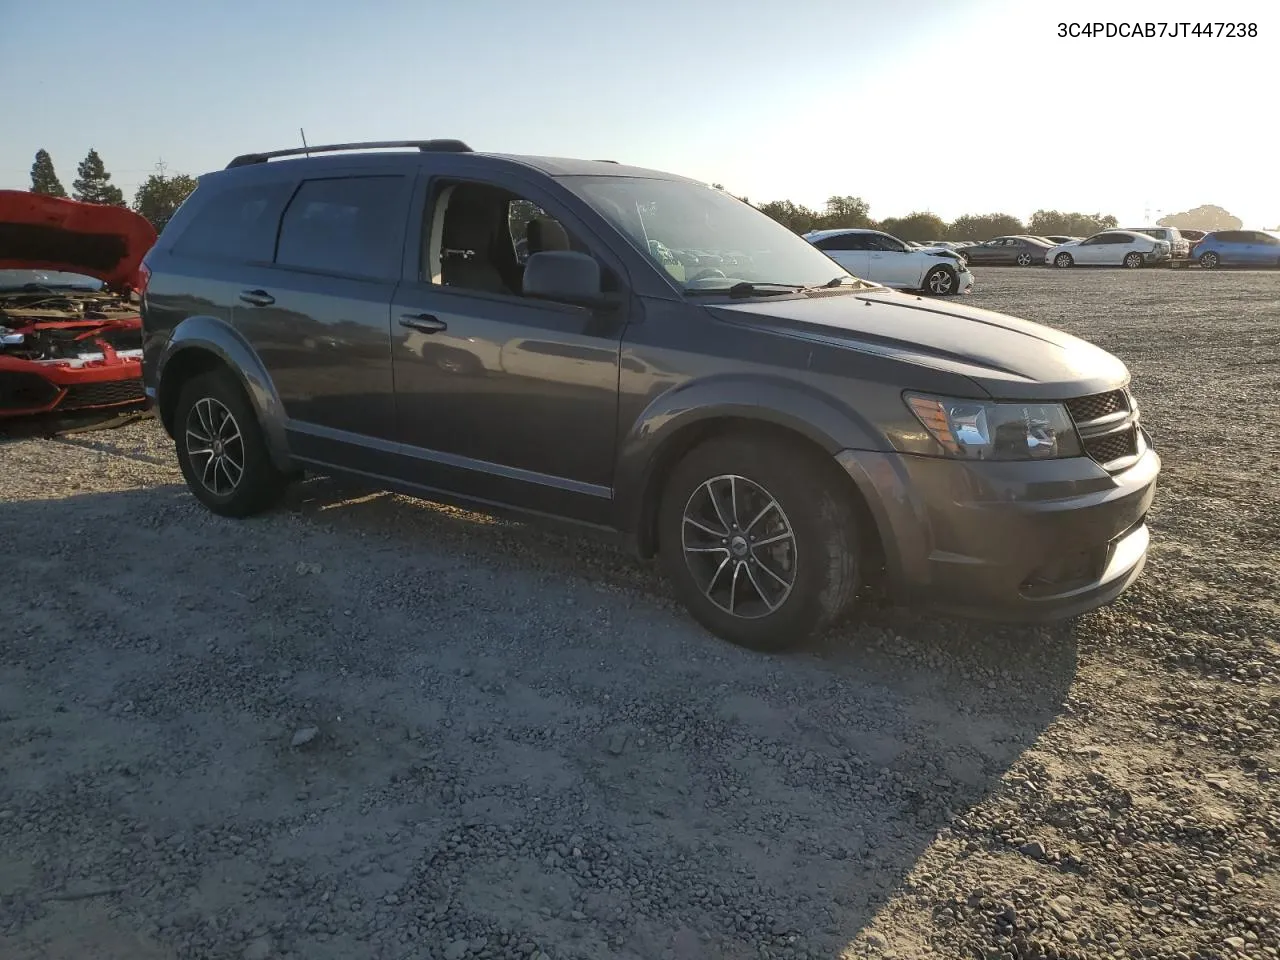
x=305 y=148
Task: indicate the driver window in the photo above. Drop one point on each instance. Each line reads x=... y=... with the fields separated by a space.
x=478 y=237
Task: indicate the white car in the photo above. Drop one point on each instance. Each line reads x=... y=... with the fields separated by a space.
x=1111 y=248
x=1181 y=246
x=884 y=259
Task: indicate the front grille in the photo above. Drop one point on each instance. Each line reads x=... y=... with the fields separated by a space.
x=1112 y=446
x=25 y=391
x=1084 y=409
x=103 y=394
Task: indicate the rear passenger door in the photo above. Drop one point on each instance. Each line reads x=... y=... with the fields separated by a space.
x=319 y=315
x=850 y=251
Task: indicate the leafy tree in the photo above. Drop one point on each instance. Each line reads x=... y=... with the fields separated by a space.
x=93 y=184
x=1207 y=217
x=160 y=196
x=1045 y=223
x=44 y=179
x=846 y=212
x=915 y=226
x=985 y=226
x=793 y=216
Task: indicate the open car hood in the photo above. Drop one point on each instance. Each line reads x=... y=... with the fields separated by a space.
x=39 y=232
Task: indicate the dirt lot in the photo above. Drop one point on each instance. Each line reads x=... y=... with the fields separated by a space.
x=365 y=727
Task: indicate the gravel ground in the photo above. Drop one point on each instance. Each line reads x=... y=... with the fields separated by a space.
x=367 y=727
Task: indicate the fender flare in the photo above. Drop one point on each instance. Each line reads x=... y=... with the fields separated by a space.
x=216 y=337
x=771 y=401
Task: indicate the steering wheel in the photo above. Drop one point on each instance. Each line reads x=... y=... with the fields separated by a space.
x=706 y=275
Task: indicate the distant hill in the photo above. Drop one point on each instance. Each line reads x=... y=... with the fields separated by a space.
x=1207 y=217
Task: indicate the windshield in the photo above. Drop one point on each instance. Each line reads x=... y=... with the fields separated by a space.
x=17 y=279
x=703 y=238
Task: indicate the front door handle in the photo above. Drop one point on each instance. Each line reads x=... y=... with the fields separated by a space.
x=257 y=298
x=423 y=322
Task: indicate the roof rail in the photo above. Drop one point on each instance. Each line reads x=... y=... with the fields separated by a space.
x=425 y=146
x=606 y=161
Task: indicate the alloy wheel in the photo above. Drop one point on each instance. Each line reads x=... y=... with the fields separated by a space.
x=739 y=546
x=1063 y=260
x=215 y=446
x=1024 y=259
x=1209 y=260
x=1133 y=261
x=940 y=282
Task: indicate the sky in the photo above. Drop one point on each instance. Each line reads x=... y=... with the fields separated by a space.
x=951 y=106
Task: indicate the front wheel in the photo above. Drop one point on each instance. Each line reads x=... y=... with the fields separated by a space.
x=1064 y=260
x=221 y=449
x=1210 y=261
x=759 y=540
x=1132 y=260
x=941 y=281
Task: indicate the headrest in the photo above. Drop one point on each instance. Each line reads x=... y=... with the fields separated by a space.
x=546 y=234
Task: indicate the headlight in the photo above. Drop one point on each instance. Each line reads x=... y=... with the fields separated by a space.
x=986 y=430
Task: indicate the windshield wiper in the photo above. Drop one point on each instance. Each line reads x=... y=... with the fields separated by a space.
x=745 y=288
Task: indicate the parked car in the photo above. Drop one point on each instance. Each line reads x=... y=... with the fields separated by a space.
x=1180 y=246
x=1059 y=240
x=1007 y=251
x=777 y=435
x=70 y=334
x=1112 y=248
x=1239 y=248
x=884 y=259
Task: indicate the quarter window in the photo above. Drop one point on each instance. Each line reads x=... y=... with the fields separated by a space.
x=237 y=225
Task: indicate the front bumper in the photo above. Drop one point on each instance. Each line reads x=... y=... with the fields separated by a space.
x=1028 y=542
x=29 y=387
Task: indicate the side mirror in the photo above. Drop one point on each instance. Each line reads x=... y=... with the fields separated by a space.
x=565 y=276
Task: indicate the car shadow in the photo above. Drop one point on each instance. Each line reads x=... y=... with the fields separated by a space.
x=776 y=801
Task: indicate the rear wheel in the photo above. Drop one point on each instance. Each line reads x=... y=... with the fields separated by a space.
x=221 y=449
x=1210 y=260
x=759 y=540
x=941 y=281
x=1064 y=260
x=1024 y=259
x=1132 y=260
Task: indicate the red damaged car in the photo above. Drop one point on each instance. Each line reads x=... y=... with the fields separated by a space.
x=70 y=334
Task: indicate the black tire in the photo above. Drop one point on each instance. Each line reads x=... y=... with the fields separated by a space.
x=942 y=281
x=202 y=402
x=1064 y=260
x=1132 y=260
x=1210 y=261
x=822 y=557
x=1024 y=260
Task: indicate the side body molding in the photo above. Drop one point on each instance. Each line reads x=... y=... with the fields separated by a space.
x=215 y=336
x=767 y=400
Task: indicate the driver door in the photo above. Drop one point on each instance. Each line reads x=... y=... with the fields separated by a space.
x=1091 y=251
x=501 y=397
x=892 y=262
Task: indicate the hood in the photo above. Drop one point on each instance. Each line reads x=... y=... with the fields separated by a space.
x=39 y=232
x=1006 y=357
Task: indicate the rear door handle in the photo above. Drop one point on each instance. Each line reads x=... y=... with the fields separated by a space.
x=257 y=298
x=424 y=322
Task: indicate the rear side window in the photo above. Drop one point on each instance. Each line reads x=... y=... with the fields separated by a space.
x=344 y=225
x=1229 y=236
x=238 y=225
x=843 y=241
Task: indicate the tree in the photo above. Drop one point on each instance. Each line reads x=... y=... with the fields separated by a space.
x=1207 y=218
x=846 y=212
x=793 y=216
x=1046 y=223
x=160 y=196
x=985 y=226
x=915 y=226
x=93 y=184
x=44 y=179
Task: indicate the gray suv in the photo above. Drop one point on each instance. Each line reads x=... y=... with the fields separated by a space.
x=640 y=353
